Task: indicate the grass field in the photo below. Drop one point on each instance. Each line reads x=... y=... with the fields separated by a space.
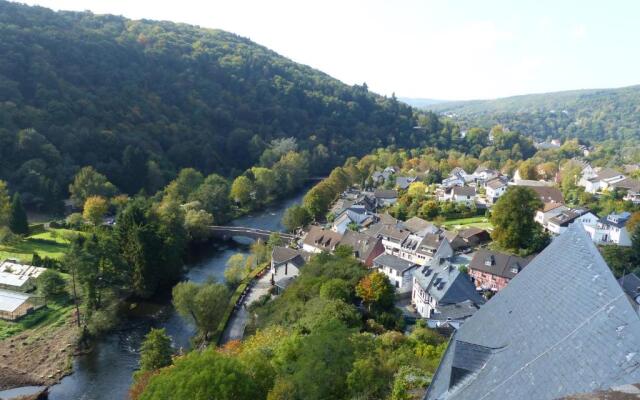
x=477 y=222
x=53 y=315
x=52 y=243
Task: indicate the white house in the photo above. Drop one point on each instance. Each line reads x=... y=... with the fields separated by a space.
x=484 y=174
x=550 y=210
x=603 y=178
x=611 y=230
x=385 y=198
x=319 y=239
x=397 y=270
x=630 y=187
x=560 y=222
x=356 y=214
x=285 y=265
x=461 y=194
x=440 y=284
x=494 y=188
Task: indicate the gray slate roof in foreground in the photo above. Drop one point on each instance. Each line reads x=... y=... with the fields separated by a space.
x=563 y=325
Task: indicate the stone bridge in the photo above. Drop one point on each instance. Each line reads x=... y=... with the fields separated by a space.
x=227 y=232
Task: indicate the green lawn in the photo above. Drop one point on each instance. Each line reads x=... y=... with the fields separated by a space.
x=477 y=222
x=53 y=314
x=52 y=243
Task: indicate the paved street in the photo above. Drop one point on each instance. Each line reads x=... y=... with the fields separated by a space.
x=238 y=322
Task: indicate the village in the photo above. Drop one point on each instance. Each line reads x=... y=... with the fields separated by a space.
x=444 y=273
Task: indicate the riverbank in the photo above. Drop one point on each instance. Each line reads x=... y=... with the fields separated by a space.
x=38 y=356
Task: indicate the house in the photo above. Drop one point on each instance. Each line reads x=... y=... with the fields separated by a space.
x=473 y=237
x=611 y=230
x=285 y=265
x=548 y=211
x=630 y=283
x=356 y=214
x=630 y=187
x=461 y=194
x=397 y=270
x=452 y=315
x=456 y=242
x=403 y=182
x=599 y=179
x=492 y=270
x=319 y=239
x=365 y=248
x=419 y=226
x=434 y=245
x=559 y=223
x=17 y=276
x=441 y=284
x=457 y=177
x=547 y=194
x=385 y=198
x=494 y=188
x=562 y=326
x=380 y=177
x=392 y=238
x=485 y=174
x=14 y=305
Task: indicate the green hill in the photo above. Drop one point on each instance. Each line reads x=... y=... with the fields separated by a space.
x=595 y=114
x=139 y=100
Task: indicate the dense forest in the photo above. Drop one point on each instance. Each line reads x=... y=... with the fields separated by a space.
x=595 y=114
x=140 y=100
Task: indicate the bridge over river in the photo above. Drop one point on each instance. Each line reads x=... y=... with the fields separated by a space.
x=229 y=231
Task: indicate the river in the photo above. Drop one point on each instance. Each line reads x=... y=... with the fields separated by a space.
x=105 y=373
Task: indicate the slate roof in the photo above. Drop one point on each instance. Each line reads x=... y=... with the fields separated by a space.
x=455 y=311
x=463 y=191
x=281 y=255
x=566 y=217
x=496 y=183
x=361 y=244
x=606 y=173
x=562 y=326
x=393 y=262
x=475 y=235
x=393 y=233
x=547 y=194
x=417 y=224
x=386 y=194
x=617 y=220
x=446 y=283
x=324 y=239
x=630 y=283
x=403 y=182
x=632 y=185
x=501 y=263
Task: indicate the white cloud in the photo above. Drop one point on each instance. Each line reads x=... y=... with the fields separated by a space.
x=578 y=31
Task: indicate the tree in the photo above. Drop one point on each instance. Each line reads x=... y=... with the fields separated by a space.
x=197 y=223
x=51 y=283
x=241 y=190
x=5 y=204
x=156 y=351
x=202 y=376
x=417 y=190
x=375 y=289
x=633 y=221
x=236 y=270
x=18 y=217
x=295 y=217
x=203 y=305
x=88 y=182
x=95 y=207
x=513 y=220
x=527 y=170
x=213 y=195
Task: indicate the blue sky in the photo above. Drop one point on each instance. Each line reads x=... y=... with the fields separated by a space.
x=464 y=49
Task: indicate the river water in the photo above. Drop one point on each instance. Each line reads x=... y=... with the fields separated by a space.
x=105 y=373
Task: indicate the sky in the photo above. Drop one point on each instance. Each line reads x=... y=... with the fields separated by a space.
x=440 y=49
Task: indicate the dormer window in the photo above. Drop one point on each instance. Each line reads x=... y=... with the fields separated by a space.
x=489 y=261
x=514 y=270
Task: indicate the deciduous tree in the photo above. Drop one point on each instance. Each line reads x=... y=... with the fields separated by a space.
x=95 y=207
x=18 y=217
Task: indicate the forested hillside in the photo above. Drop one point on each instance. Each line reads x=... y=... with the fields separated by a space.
x=139 y=100
x=596 y=114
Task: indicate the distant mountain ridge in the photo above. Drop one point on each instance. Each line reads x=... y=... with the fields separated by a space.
x=596 y=114
x=80 y=89
x=419 y=102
